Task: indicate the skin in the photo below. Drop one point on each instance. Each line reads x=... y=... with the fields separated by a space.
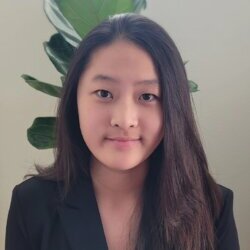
x=119 y=96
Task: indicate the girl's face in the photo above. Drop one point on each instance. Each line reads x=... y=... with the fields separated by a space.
x=119 y=108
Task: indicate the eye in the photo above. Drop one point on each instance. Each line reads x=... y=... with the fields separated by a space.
x=149 y=97
x=103 y=93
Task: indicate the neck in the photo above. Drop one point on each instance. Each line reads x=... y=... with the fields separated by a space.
x=118 y=186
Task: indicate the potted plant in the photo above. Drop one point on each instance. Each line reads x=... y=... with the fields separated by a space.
x=72 y=19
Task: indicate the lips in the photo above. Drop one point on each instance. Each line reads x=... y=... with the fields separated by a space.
x=123 y=143
x=123 y=139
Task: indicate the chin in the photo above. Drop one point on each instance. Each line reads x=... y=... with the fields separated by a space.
x=123 y=167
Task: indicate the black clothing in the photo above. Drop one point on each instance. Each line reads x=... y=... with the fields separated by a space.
x=39 y=220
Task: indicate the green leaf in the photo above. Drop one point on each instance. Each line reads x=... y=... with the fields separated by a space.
x=193 y=87
x=42 y=86
x=59 y=52
x=42 y=133
x=61 y=24
x=139 y=5
x=63 y=80
x=84 y=15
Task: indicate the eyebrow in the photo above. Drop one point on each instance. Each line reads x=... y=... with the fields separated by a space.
x=105 y=78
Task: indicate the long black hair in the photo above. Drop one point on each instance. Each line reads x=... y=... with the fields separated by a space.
x=180 y=199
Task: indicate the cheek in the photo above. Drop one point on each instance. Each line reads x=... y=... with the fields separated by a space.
x=154 y=122
x=91 y=117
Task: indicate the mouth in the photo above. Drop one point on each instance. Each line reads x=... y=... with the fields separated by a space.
x=123 y=143
x=123 y=139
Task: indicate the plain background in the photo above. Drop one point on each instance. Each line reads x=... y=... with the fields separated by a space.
x=213 y=35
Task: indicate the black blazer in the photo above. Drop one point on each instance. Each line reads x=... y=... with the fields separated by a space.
x=39 y=220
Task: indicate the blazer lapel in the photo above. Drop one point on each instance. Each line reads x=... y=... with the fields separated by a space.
x=80 y=218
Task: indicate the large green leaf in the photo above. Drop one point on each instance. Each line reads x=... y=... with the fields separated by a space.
x=59 y=52
x=84 y=15
x=42 y=133
x=193 y=87
x=61 y=24
x=74 y=17
x=42 y=86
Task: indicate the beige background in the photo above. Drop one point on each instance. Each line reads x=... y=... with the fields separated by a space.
x=213 y=35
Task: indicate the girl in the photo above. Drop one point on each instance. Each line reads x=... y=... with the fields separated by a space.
x=130 y=171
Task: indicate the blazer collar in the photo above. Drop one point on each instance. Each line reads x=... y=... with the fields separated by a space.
x=80 y=217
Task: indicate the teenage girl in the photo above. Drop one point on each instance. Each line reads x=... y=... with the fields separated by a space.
x=130 y=171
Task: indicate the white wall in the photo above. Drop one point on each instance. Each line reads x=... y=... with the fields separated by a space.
x=213 y=35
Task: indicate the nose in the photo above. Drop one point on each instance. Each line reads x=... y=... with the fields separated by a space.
x=124 y=115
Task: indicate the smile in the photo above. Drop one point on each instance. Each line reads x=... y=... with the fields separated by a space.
x=122 y=143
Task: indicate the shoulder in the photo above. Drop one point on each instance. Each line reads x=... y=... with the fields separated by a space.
x=227 y=194
x=34 y=186
x=33 y=208
x=36 y=193
x=227 y=197
x=225 y=226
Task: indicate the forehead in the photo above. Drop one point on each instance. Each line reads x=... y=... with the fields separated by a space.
x=121 y=60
